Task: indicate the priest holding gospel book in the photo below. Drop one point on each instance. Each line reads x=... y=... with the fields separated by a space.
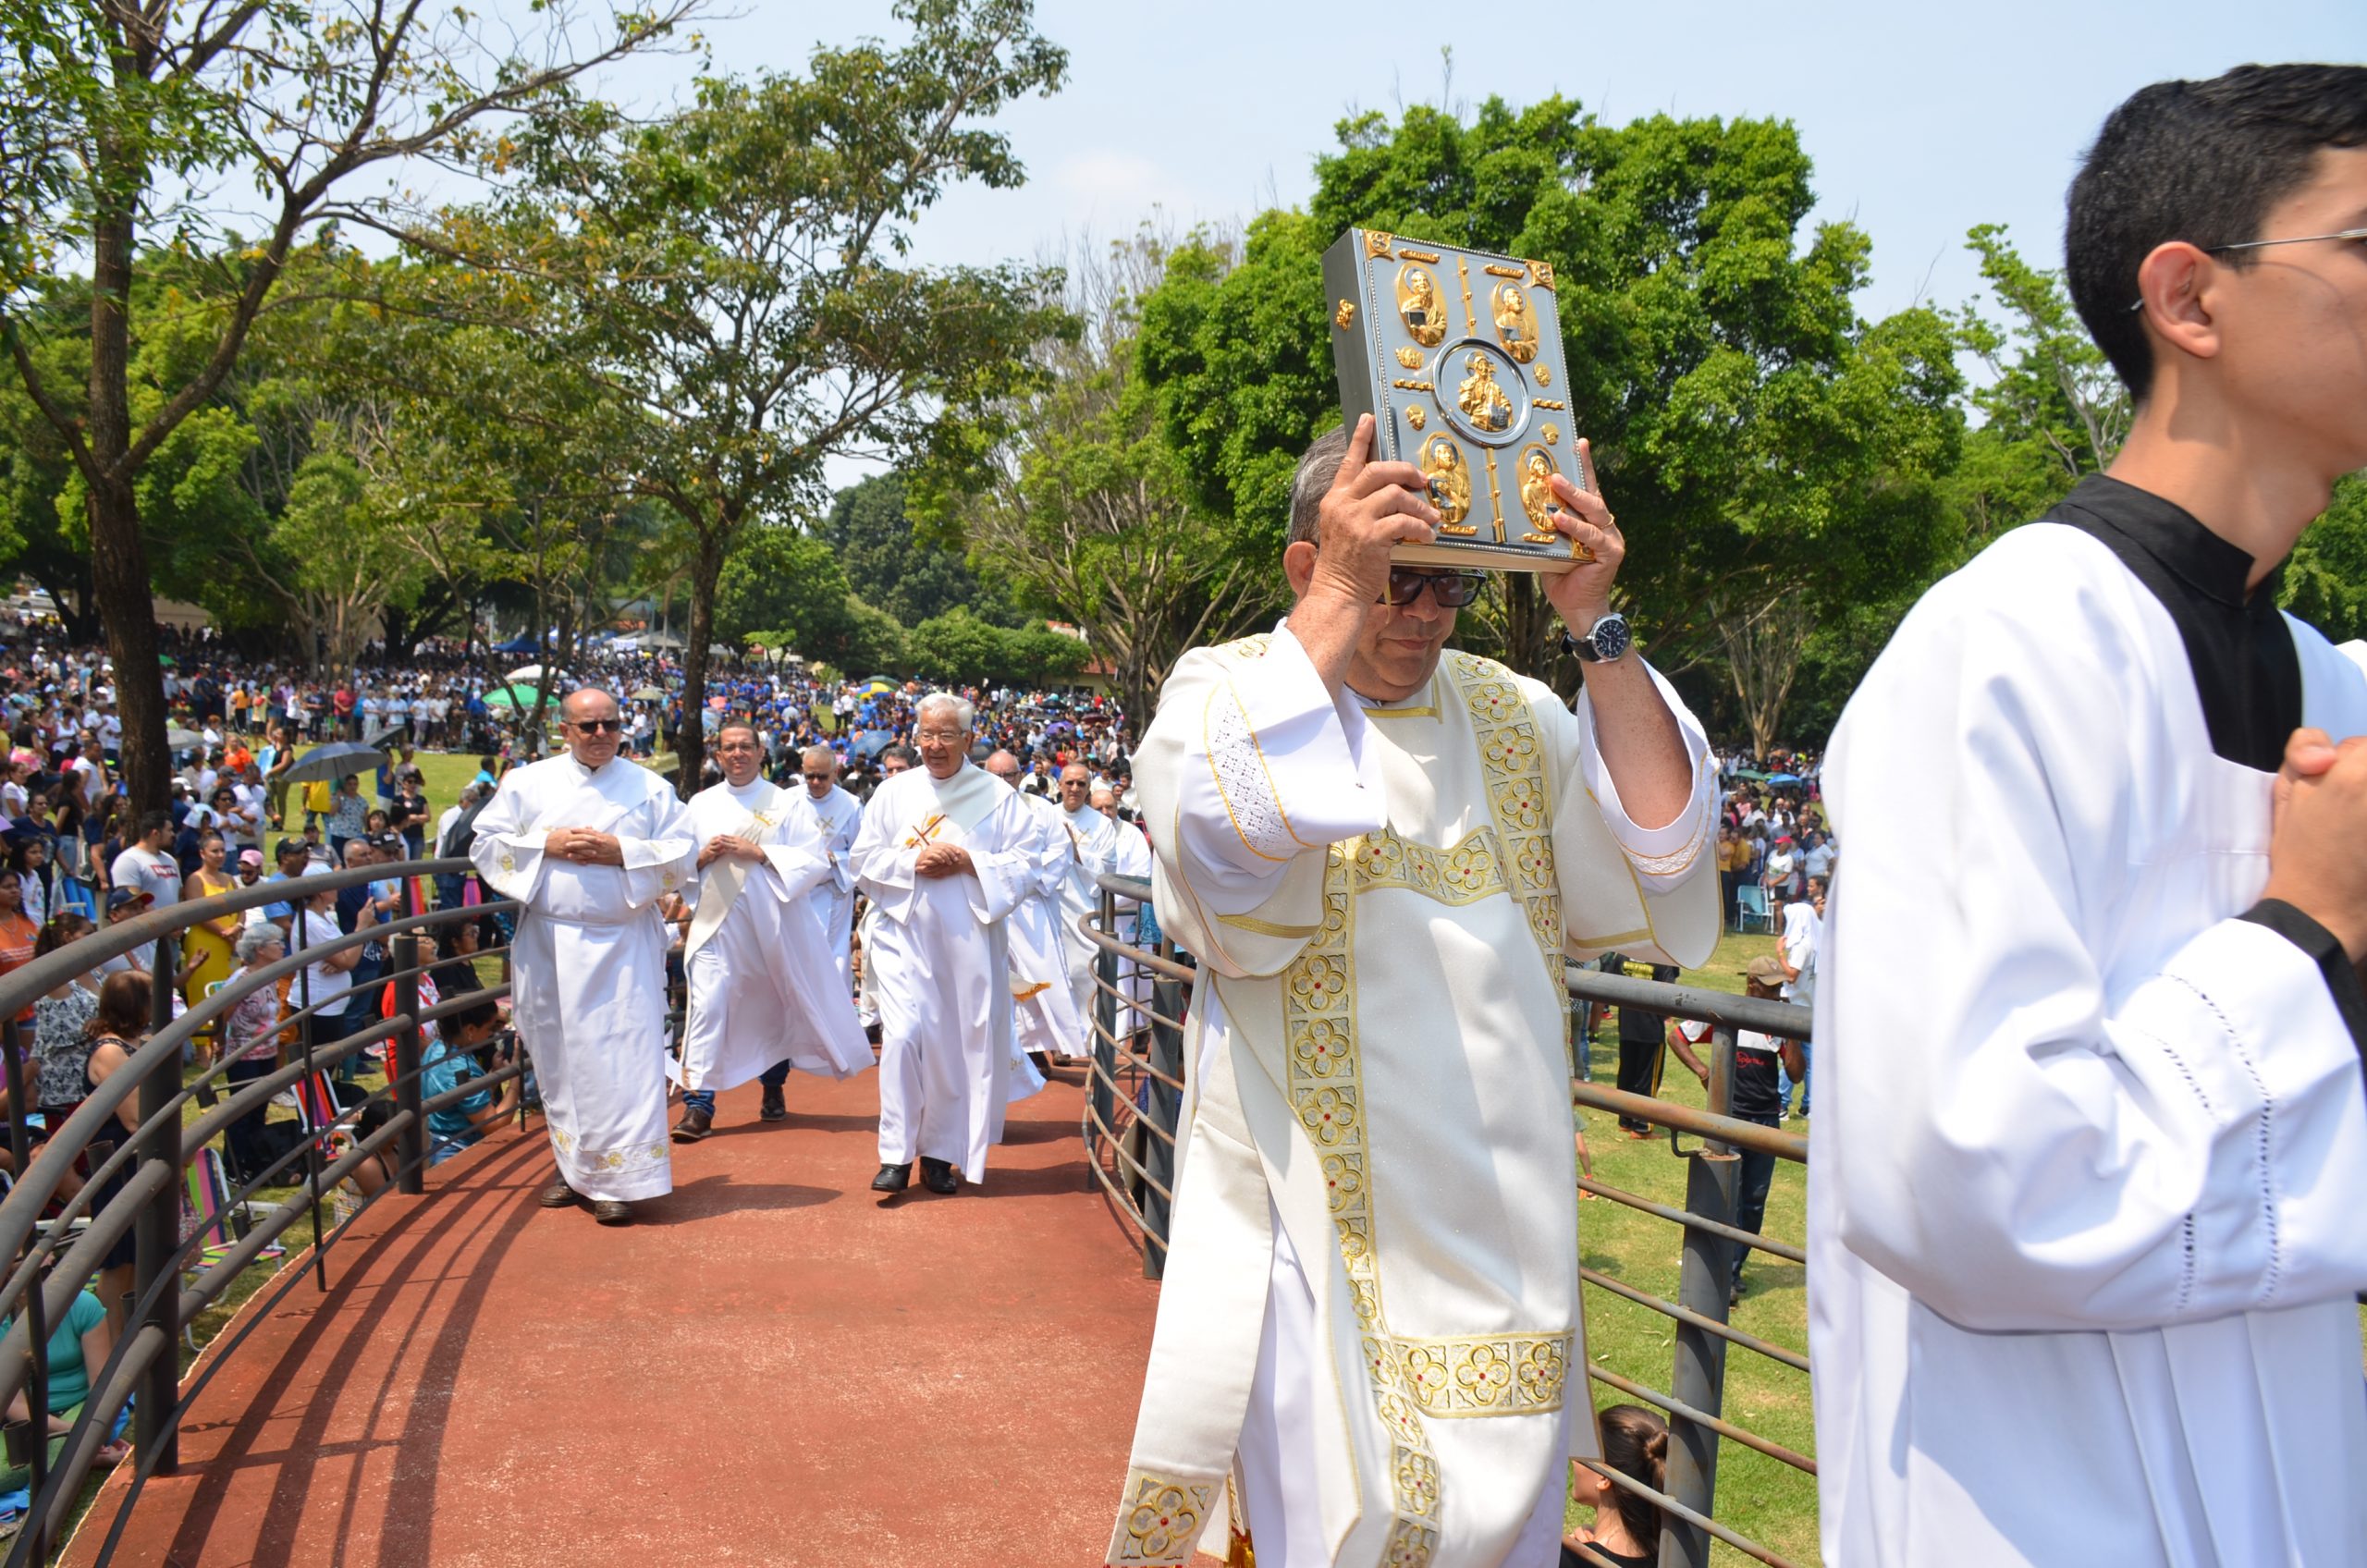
x=2088 y=1196
x=1382 y=853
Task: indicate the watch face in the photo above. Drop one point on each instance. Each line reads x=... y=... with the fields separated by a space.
x=1611 y=637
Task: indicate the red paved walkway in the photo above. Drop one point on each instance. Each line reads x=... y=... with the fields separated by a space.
x=772 y=1368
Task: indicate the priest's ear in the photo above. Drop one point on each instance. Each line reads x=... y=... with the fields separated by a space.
x=2176 y=287
x=1299 y=565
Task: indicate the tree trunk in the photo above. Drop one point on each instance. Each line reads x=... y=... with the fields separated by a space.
x=707 y=568
x=118 y=555
x=72 y=599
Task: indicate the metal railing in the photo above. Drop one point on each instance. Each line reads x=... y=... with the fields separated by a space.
x=1136 y=1088
x=52 y=1246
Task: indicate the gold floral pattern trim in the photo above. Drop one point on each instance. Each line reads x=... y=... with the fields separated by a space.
x=1253 y=647
x=630 y=1156
x=1514 y=765
x=1160 y=1518
x=1484 y=1375
x=1327 y=1092
x=1467 y=872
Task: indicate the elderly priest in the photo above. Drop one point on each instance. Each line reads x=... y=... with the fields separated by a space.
x=945 y=853
x=589 y=842
x=1383 y=853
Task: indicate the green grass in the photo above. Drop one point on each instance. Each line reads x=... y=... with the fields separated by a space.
x=1762 y=1499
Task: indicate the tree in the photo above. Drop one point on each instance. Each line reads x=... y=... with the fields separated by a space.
x=787 y=586
x=1757 y=439
x=901 y=567
x=124 y=116
x=1088 y=516
x=733 y=276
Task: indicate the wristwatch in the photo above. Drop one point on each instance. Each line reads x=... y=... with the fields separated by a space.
x=1604 y=642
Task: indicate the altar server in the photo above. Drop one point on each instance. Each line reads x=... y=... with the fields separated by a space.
x=2086 y=1216
x=1043 y=1021
x=1383 y=853
x=838 y=814
x=590 y=843
x=765 y=993
x=944 y=854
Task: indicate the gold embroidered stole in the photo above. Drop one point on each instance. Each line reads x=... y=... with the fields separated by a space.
x=725 y=878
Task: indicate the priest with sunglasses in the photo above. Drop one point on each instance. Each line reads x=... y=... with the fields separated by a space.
x=590 y=843
x=1382 y=851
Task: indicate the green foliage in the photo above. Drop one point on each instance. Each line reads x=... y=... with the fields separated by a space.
x=786 y=584
x=958 y=648
x=2325 y=580
x=891 y=564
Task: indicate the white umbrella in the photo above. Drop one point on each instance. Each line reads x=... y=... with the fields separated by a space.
x=659 y=640
x=532 y=672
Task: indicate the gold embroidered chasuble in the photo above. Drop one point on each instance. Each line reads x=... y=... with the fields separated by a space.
x=1382 y=899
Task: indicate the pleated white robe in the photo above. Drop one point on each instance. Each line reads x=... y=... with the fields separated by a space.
x=762 y=987
x=941 y=969
x=2088 y=1193
x=839 y=815
x=588 y=964
x=1096 y=836
x=1371 y=1293
x=1043 y=1011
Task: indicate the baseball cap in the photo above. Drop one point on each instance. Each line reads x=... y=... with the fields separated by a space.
x=249 y=857
x=132 y=897
x=1767 y=970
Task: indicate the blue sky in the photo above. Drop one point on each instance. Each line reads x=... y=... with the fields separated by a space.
x=1921 y=119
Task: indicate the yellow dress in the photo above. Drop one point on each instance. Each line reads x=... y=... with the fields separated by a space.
x=207 y=953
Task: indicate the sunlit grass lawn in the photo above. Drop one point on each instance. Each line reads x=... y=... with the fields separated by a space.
x=1767 y=1501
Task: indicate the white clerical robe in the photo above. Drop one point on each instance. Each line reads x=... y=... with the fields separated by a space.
x=1372 y=1283
x=940 y=970
x=838 y=814
x=2088 y=1194
x=1096 y=836
x=1043 y=1014
x=763 y=985
x=588 y=962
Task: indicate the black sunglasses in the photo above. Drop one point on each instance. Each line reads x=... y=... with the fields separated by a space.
x=596 y=725
x=1449 y=590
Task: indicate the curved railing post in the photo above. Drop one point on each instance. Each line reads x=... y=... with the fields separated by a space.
x=156 y=1238
x=1163 y=1104
x=413 y=1140
x=1105 y=1013
x=1698 y=1377
x=36 y=1427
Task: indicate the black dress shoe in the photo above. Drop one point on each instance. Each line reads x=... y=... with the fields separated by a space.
x=609 y=1211
x=776 y=1106
x=695 y=1124
x=938 y=1176
x=558 y=1195
x=893 y=1178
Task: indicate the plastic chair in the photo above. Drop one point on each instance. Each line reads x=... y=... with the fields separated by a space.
x=1756 y=915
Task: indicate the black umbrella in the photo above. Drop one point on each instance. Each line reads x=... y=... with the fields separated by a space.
x=385 y=733
x=333 y=761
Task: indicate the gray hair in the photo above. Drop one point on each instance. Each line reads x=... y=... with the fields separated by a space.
x=965 y=715
x=814 y=757
x=256 y=937
x=1316 y=468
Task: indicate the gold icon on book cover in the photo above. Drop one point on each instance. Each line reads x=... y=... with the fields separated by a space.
x=1418 y=305
x=1515 y=324
x=1450 y=481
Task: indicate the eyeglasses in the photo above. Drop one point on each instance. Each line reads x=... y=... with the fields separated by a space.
x=943 y=737
x=598 y=726
x=1449 y=590
x=816 y=778
x=2357 y=236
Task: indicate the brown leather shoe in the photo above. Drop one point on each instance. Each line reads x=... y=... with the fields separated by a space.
x=695 y=1124
x=558 y=1195
x=776 y=1106
x=609 y=1211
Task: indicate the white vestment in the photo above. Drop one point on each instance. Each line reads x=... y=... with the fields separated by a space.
x=2088 y=1193
x=762 y=987
x=1098 y=853
x=588 y=963
x=839 y=816
x=1372 y=1282
x=1043 y=1015
x=941 y=973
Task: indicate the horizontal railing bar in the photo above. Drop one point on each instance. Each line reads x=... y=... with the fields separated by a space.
x=1768 y=1244
x=1110 y=1137
x=80 y=1262
x=1784 y=1020
x=1686 y=1314
x=1142 y=956
x=1741 y=1543
x=1752 y=1135
x=1719 y=1424
x=1127 y=1204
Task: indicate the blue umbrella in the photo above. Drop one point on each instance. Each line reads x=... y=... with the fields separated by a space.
x=518 y=644
x=1783 y=779
x=871 y=743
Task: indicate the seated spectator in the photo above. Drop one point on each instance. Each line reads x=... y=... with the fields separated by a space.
x=80 y=1343
x=451 y=1064
x=1626 y=1529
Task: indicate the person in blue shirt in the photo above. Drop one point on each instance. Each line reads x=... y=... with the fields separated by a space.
x=448 y=1064
x=294 y=856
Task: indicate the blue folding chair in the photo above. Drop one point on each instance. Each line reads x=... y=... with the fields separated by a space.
x=1756 y=915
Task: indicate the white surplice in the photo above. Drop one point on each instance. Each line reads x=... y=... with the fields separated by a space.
x=839 y=815
x=1096 y=836
x=762 y=987
x=1042 y=1014
x=940 y=970
x=588 y=962
x=1371 y=1291
x=2088 y=1193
